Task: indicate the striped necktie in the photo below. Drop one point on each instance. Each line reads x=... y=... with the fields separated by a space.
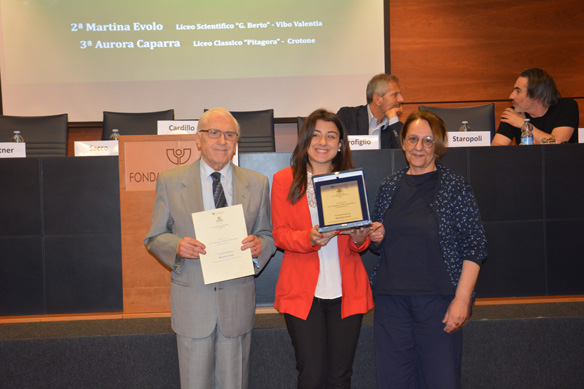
x=218 y=194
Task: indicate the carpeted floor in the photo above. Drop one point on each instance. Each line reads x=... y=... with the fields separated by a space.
x=505 y=346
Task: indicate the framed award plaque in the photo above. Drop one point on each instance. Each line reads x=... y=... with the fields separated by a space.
x=341 y=199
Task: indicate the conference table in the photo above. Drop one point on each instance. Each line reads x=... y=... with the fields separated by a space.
x=61 y=236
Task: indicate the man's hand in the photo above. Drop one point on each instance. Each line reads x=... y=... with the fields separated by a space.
x=252 y=242
x=190 y=248
x=512 y=117
x=394 y=112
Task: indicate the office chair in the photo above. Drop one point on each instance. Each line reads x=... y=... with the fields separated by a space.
x=256 y=130
x=45 y=136
x=299 y=123
x=479 y=117
x=133 y=123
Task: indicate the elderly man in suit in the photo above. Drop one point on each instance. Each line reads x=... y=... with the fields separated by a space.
x=213 y=322
x=381 y=114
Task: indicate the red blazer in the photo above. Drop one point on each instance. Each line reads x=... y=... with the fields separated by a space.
x=300 y=265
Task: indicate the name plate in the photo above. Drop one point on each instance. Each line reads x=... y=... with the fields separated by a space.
x=174 y=127
x=469 y=139
x=12 y=150
x=581 y=135
x=96 y=148
x=364 y=142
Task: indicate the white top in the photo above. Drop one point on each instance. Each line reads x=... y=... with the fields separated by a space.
x=329 y=284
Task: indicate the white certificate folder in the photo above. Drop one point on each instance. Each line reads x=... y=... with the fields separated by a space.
x=221 y=231
x=341 y=199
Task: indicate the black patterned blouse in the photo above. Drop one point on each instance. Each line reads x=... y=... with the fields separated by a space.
x=460 y=230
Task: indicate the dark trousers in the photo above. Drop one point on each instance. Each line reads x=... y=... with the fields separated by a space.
x=411 y=348
x=324 y=345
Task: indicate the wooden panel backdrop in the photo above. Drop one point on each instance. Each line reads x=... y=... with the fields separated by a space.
x=473 y=51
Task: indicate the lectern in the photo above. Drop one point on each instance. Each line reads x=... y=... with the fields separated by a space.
x=142 y=158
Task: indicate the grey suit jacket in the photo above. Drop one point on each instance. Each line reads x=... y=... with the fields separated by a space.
x=196 y=307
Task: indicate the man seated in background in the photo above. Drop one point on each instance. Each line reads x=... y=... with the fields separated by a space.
x=381 y=114
x=535 y=96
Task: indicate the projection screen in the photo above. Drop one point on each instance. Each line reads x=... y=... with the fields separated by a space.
x=83 y=57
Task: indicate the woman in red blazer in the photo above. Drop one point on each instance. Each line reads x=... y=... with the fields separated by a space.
x=323 y=288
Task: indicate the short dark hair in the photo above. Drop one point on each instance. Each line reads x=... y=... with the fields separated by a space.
x=379 y=85
x=438 y=130
x=299 y=159
x=541 y=86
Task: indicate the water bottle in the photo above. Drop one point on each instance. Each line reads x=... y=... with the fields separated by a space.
x=17 y=138
x=526 y=133
x=465 y=127
x=115 y=134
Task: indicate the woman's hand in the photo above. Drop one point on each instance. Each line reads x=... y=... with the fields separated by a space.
x=459 y=309
x=376 y=232
x=318 y=239
x=456 y=315
x=358 y=235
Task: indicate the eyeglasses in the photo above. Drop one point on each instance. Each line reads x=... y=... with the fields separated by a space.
x=427 y=141
x=216 y=134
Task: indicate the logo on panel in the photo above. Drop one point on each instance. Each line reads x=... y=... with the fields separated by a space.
x=145 y=160
x=178 y=156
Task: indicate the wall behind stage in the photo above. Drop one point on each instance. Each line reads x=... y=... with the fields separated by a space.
x=446 y=53
x=473 y=51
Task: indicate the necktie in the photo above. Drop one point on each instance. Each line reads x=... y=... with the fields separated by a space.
x=218 y=194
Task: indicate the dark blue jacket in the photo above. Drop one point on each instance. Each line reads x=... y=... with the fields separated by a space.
x=356 y=121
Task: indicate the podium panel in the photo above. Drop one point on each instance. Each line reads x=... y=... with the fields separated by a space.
x=142 y=158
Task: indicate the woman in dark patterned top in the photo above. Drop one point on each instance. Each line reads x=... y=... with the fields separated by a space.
x=431 y=251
